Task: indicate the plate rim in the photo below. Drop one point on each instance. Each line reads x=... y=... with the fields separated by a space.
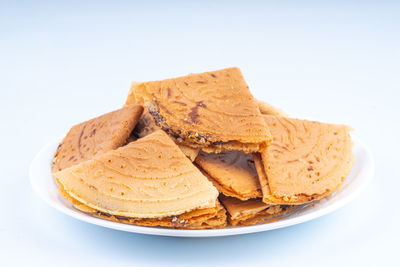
x=368 y=171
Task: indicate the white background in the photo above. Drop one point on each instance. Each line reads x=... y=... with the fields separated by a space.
x=63 y=63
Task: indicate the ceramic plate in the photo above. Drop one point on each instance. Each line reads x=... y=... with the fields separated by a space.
x=359 y=177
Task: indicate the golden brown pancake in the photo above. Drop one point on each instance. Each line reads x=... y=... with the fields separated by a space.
x=306 y=161
x=251 y=211
x=206 y=218
x=214 y=111
x=148 y=178
x=232 y=172
x=96 y=136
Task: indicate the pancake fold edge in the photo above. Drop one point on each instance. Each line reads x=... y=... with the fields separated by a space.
x=306 y=161
x=147 y=178
x=214 y=111
x=98 y=135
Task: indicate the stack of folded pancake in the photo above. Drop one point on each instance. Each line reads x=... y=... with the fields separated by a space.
x=199 y=152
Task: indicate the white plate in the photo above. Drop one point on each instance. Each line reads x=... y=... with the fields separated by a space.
x=360 y=175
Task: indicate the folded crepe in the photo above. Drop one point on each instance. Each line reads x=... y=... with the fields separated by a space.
x=214 y=111
x=147 y=125
x=96 y=136
x=252 y=211
x=234 y=175
x=207 y=218
x=232 y=172
x=148 y=178
x=306 y=161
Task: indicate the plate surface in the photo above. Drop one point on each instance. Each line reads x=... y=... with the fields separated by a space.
x=361 y=174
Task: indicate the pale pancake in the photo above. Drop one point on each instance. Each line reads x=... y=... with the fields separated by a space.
x=148 y=178
x=232 y=172
x=206 y=218
x=306 y=161
x=214 y=111
x=96 y=136
x=251 y=211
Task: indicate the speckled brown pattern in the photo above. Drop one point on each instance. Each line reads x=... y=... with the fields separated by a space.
x=96 y=136
x=212 y=110
x=306 y=161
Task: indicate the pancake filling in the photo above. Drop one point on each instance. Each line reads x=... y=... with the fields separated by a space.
x=190 y=138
